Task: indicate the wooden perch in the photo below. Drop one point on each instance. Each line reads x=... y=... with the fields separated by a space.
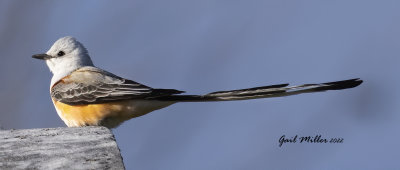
x=59 y=148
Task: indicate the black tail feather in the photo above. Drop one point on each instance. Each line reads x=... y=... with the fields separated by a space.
x=278 y=90
x=339 y=85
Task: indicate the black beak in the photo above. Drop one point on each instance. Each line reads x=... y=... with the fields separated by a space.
x=42 y=56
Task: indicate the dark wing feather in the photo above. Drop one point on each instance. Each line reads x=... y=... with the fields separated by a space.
x=80 y=93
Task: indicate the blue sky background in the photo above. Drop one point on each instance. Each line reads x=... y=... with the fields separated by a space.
x=210 y=45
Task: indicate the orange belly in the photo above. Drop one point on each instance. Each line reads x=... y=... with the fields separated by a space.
x=109 y=114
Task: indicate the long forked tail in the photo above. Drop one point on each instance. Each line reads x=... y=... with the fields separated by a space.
x=264 y=92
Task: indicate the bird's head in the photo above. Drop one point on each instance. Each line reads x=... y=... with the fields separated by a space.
x=66 y=55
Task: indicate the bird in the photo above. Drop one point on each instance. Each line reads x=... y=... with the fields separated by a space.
x=85 y=95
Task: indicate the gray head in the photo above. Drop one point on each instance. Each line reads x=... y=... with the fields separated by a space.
x=66 y=55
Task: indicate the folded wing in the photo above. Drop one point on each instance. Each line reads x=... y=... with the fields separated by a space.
x=91 y=85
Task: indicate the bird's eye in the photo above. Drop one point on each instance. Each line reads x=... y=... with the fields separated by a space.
x=61 y=53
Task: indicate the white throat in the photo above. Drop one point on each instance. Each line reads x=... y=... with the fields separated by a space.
x=62 y=67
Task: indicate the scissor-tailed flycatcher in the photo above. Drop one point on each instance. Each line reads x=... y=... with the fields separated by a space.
x=85 y=95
